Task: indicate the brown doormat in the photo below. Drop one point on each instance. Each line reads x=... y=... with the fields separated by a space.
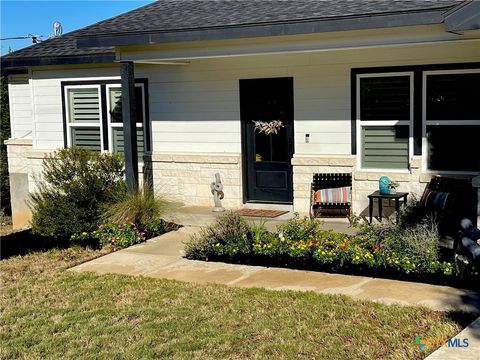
x=261 y=213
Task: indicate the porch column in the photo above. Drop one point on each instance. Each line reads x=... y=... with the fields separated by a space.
x=129 y=116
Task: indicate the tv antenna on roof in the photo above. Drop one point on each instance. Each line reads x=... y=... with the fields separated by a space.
x=57 y=29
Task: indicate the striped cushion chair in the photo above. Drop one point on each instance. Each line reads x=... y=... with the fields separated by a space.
x=331 y=194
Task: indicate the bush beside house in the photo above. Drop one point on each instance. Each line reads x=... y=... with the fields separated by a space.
x=75 y=185
x=82 y=197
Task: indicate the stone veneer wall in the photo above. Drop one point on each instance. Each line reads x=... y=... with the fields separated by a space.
x=364 y=182
x=18 y=168
x=186 y=177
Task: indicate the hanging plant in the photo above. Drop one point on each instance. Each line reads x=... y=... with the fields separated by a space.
x=268 y=127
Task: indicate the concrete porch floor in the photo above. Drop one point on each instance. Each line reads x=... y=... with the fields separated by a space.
x=201 y=216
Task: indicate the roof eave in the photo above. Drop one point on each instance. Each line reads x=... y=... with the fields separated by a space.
x=375 y=21
x=8 y=64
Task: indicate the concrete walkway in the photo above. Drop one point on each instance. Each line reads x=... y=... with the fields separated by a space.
x=162 y=257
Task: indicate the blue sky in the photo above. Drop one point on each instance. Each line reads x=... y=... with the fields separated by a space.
x=20 y=18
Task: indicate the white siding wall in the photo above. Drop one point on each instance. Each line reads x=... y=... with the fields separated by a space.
x=20 y=101
x=195 y=107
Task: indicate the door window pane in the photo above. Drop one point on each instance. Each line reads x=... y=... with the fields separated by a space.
x=271 y=147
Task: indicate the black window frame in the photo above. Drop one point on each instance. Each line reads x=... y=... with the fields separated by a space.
x=418 y=107
x=385 y=123
x=104 y=116
x=454 y=124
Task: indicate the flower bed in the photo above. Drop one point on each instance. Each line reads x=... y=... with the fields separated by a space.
x=376 y=250
x=119 y=236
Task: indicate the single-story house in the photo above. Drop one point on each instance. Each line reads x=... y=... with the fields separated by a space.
x=365 y=87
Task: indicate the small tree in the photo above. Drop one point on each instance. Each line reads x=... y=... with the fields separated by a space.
x=75 y=185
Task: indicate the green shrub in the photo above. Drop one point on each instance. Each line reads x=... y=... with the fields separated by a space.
x=200 y=246
x=418 y=243
x=264 y=242
x=229 y=235
x=159 y=226
x=410 y=246
x=269 y=244
x=144 y=208
x=297 y=229
x=75 y=185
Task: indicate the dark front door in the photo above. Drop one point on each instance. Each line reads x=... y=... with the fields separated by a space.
x=266 y=107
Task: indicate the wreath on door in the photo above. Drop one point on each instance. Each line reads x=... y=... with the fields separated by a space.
x=268 y=127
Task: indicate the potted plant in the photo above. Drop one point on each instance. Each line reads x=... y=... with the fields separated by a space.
x=393 y=185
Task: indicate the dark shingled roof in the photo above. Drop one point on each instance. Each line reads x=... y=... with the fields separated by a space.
x=182 y=15
x=167 y=15
x=65 y=45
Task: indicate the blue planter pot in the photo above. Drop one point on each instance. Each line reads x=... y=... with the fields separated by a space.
x=383 y=187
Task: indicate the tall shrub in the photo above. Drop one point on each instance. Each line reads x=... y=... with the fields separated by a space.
x=142 y=207
x=74 y=187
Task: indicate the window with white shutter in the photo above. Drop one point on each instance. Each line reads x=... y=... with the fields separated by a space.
x=93 y=116
x=84 y=117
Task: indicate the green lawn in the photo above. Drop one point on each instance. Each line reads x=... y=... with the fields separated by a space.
x=47 y=312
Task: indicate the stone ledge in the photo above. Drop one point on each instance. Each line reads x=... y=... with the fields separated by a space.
x=374 y=176
x=333 y=160
x=19 y=142
x=201 y=158
x=416 y=162
x=38 y=154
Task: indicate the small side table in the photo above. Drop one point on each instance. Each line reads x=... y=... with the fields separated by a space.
x=380 y=197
